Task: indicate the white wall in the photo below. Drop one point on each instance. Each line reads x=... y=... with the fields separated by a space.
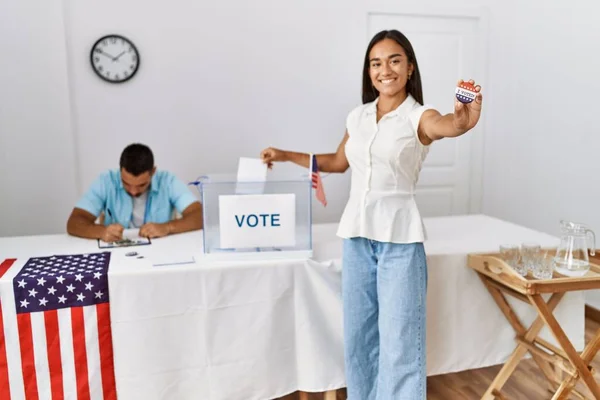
x=216 y=82
x=219 y=81
x=541 y=158
x=37 y=157
x=541 y=155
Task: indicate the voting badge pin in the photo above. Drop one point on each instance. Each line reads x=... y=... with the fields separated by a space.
x=465 y=92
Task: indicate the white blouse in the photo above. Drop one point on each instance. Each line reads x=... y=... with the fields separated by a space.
x=386 y=159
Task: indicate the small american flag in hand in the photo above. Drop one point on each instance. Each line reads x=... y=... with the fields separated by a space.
x=317 y=183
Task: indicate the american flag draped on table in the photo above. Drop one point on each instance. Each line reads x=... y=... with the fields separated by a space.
x=55 y=337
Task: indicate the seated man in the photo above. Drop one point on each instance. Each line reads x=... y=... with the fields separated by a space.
x=137 y=196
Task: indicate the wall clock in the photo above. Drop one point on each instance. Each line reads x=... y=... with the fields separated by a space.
x=115 y=58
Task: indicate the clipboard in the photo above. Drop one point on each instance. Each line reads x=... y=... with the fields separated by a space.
x=130 y=239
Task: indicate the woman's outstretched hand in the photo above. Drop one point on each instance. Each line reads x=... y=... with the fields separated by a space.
x=271 y=155
x=467 y=115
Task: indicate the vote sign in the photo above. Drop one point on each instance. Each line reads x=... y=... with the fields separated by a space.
x=260 y=220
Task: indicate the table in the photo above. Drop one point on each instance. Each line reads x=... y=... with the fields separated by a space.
x=563 y=366
x=260 y=330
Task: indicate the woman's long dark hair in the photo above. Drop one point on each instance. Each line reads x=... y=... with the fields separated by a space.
x=413 y=86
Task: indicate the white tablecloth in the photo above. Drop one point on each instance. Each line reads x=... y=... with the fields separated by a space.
x=259 y=330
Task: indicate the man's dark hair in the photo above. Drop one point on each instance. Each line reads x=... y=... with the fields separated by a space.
x=136 y=159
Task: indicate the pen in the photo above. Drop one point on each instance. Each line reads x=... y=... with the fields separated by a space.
x=109 y=213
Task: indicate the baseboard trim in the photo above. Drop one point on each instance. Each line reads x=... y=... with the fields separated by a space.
x=592 y=313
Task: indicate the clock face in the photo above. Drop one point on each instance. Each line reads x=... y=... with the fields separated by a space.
x=114 y=58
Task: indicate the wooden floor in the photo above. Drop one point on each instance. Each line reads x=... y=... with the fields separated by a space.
x=527 y=383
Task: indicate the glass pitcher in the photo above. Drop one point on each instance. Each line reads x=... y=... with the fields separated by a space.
x=571 y=257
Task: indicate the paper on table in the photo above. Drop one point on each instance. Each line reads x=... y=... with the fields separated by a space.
x=165 y=259
x=253 y=171
x=131 y=237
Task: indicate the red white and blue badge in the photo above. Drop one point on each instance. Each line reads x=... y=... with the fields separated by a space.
x=465 y=92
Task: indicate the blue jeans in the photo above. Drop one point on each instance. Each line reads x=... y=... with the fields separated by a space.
x=384 y=288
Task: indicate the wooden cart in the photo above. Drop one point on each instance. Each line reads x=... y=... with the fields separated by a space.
x=563 y=366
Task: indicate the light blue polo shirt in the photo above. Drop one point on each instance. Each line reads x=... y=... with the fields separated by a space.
x=166 y=193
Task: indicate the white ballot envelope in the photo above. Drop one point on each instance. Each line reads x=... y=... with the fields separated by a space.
x=252 y=173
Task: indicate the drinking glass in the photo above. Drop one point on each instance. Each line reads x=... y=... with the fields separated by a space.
x=529 y=254
x=510 y=254
x=544 y=265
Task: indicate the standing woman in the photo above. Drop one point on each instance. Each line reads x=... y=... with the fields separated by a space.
x=384 y=278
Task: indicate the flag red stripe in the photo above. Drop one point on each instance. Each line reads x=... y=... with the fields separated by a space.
x=4 y=387
x=80 y=353
x=6 y=264
x=318 y=185
x=54 y=357
x=106 y=352
x=4 y=384
x=27 y=357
